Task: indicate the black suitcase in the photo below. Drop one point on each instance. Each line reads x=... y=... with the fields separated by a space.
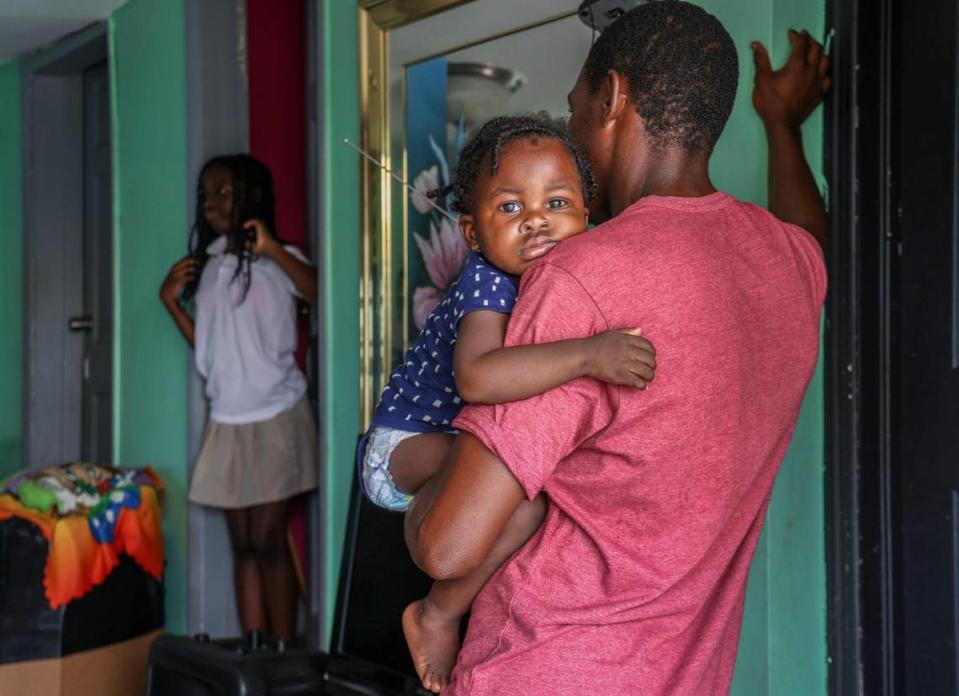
x=201 y=667
x=368 y=654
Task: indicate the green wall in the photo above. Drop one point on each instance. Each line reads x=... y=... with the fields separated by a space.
x=340 y=406
x=11 y=271
x=148 y=54
x=783 y=644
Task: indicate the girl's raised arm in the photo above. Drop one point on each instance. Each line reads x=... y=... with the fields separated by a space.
x=302 y=274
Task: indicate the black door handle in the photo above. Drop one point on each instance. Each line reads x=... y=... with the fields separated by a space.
x=84 y=323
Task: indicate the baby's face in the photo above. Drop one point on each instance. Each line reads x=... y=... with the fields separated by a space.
x=533 y=202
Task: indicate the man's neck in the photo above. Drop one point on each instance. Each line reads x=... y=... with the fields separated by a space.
x=674 y=173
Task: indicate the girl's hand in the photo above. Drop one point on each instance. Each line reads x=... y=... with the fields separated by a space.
x=788 y=95
x=261 y=242
x=183 y=271
x=621 y=356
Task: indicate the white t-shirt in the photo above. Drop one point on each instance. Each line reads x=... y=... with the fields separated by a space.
x=245 y=347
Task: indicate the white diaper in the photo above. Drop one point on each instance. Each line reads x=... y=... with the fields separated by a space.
x=375 y=470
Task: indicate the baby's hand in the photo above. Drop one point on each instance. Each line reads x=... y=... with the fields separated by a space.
x=621 y=356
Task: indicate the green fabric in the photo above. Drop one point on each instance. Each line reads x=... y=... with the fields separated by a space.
x=35 y=496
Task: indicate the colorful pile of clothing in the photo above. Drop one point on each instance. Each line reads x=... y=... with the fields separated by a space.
x=89 y=514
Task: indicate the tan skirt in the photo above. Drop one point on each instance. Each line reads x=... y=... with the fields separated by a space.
x=256 y=463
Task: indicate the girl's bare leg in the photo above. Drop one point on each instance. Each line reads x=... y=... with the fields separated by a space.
x=246 y=573
x=432 y=625
x=268 y=526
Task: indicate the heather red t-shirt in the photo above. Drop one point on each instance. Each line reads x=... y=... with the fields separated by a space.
x=635 y=582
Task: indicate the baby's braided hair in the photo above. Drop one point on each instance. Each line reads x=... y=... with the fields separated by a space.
x=487 y=145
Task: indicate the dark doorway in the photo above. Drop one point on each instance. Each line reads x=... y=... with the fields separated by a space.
x=925 y=344
x=68 y=253
x=894 y=350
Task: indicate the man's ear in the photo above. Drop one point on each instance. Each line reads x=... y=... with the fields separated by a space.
x=615 y=96
x=468 y=228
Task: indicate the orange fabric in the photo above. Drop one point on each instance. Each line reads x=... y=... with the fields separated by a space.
x=76 y=562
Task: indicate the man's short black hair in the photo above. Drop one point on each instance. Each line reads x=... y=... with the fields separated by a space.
x=682 y=69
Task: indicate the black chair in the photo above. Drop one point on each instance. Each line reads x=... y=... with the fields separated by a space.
x=368 y=654
x=377 y=581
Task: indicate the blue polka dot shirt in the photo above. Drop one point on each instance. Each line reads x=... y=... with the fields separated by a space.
x=421 y=395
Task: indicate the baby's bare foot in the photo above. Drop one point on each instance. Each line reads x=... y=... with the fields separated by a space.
x=434 y=641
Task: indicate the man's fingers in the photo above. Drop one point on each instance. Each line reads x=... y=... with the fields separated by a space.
x=761 y=58
x=797 y=55
x=826 y=84
x=815 y=51
x=823 y=66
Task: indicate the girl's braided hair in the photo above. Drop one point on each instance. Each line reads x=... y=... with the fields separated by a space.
x=488 y=143
x=253 y=198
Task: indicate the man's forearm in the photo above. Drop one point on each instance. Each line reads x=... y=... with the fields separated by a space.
x=457 y=516
x=793 y=194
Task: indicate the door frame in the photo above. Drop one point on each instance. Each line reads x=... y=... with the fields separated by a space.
x=52 y=89
x=217 y=123
x=860 y=505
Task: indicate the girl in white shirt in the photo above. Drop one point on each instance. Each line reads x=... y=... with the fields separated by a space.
x=259 y=449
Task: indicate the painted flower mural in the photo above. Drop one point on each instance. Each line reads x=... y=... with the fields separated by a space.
x=443 y=254
x=444 y=250
x=428 y=180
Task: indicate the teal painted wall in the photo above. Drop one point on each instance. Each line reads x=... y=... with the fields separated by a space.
x=340 y=405
x=11 y=271
x=148 y=54
x=783 y=643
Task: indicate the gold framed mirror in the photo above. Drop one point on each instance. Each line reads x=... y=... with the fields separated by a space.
x=431 y=72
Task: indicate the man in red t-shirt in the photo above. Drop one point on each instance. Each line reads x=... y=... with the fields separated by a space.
x=635 y=582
